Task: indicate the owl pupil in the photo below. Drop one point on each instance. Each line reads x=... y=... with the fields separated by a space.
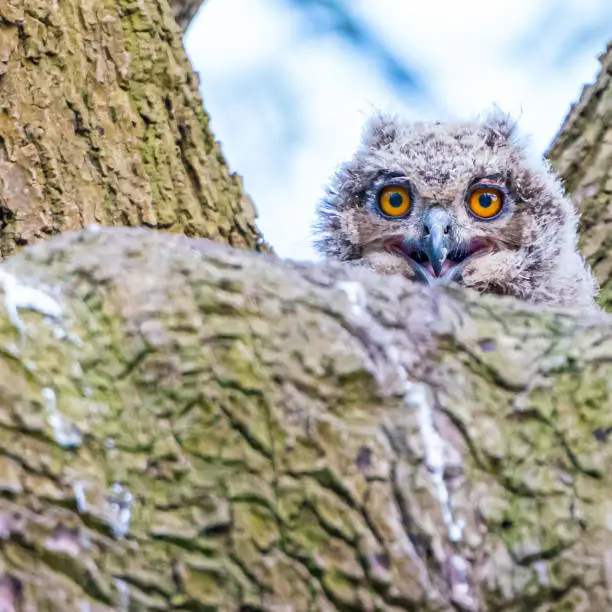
x=396 y=200
x=485 y=200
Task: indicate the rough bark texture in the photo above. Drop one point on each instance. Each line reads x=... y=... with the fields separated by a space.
x=582 y=154
x=186 y=426
x=101 y=121
x=184 y=11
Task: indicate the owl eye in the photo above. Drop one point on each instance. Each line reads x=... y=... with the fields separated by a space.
x=485 y=202
x=394 y=201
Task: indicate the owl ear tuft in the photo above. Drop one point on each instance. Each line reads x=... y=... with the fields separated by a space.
x=499 y=128
x=380 y=131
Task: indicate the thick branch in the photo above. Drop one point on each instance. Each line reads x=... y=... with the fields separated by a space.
x=188 y=426
x=102 y=123
x=582 y=154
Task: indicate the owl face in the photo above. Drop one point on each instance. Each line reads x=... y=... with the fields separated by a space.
x=434 y=234
x=443 y=203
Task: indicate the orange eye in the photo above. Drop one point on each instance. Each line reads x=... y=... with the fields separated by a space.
x=394 y=201
x=486 y=202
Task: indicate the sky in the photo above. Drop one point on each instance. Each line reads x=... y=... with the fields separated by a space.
x=290 y=83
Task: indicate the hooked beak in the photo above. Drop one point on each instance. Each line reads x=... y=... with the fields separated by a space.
x=435 y=243
x=436 y=256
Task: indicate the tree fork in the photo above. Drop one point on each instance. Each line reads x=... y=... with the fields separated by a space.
x=101 y=122
x=187 y=426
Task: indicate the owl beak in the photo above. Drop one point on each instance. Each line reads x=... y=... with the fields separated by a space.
x=436 y=258
x=435 y=239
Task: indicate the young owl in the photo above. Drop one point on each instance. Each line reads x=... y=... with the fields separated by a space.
x=464 y=203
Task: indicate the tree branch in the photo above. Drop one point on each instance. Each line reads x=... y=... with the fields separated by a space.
x=582 y=155
x=106 y=125
x=188 y=426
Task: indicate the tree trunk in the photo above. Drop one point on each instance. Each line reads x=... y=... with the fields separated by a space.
x=184 y=11
x=101 y=121
x=186 y=426
x=582 y=154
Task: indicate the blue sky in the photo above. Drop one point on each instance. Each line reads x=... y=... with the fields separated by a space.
x=288 y=94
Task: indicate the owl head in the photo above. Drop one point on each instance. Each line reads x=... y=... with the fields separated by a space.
x=456 y=203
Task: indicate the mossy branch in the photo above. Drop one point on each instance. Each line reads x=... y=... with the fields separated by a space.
x=581 y=153
x=185 y=426
x=101 y=121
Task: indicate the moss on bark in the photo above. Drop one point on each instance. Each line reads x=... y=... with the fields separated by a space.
x=186 y=426
x=101 y=121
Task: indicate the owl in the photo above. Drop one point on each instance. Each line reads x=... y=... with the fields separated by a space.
x=461 y=203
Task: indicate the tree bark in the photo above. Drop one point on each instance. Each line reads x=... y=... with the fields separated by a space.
x=184 y=11
x=101 y=121
x=582 y=154
x=187 y=426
